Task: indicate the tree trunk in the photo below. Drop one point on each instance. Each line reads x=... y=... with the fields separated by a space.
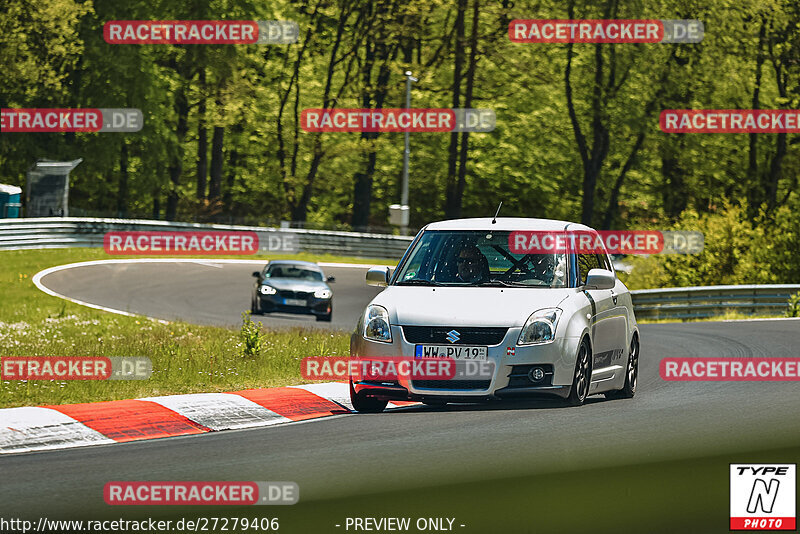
x=451 y=209
x=776 y=163
x=300 y=209
x=215 y=184
x=591 y=158
x=673 y=194
x=656 y=102
x=613 y=204
x=202 y=140
x=287 y=176
x=227 y=196
x=362 y=188
x=156 y=205
x=176 y=167
x=464 y=149
x=755 y=194
x=375 y=49
x=122 y=189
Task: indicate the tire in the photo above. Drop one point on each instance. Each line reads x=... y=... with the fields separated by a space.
x=631 y=375
x=363 y=404
x=255 y=309
x=582 y=377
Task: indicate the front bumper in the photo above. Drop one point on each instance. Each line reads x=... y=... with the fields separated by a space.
x=508 y=379
x=313 y=306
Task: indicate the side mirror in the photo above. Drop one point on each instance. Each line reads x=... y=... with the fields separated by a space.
x=600 y=279
x=331 y=279
x=378 y=276
x=256 y=274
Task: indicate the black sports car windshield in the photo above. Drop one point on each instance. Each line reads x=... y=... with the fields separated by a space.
x=293 y=271
x=478 y=258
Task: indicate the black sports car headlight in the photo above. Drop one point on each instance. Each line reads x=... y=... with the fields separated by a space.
x=267 y=290
x=540 y=327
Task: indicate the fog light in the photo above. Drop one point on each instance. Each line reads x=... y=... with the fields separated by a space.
x=536 y=374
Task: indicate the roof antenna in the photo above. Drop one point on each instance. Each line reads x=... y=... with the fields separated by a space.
x=494 y=220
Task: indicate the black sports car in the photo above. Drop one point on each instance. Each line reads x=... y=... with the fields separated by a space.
x=292 y=286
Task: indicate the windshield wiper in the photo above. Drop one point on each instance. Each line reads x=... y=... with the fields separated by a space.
x=502 y=283
x=417 y=282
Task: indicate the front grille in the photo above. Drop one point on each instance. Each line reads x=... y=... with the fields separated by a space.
x=467 y=335
x=451 y=384
x=287 y=294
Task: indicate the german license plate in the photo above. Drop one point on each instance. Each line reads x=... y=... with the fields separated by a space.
x=455 y=352
x=294 y=302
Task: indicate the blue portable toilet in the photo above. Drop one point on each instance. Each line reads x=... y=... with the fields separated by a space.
x=10 y=206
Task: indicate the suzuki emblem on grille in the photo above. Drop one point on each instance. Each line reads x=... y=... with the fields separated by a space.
x=453 y=336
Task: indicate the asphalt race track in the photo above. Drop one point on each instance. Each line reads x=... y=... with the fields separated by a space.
x=201 y=291
x=357 y=455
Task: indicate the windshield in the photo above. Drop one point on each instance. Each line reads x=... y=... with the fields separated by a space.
x=478 y=258
x=293 y=271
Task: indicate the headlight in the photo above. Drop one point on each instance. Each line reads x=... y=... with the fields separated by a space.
x=376 y=324
x=323 y=293
x=268 y=290
x=540 y=327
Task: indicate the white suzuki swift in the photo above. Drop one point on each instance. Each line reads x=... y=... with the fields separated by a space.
x=538 y=321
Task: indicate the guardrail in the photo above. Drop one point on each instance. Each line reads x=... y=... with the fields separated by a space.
x=710 y=301
x=65 y=232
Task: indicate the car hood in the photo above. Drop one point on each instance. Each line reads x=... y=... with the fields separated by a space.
x=473 y=306
x=293 y=284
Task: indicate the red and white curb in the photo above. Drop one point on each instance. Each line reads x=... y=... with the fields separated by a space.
x=42 y=428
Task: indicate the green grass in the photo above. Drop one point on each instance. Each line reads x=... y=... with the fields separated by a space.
x=687 y=495
x=186 y=358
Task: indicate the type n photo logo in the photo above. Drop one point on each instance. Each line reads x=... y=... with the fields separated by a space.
x=763 y=496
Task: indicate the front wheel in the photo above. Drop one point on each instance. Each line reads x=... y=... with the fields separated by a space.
x=363 y=404
x=255 y=309
x=631 y=376
x=582 y=377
